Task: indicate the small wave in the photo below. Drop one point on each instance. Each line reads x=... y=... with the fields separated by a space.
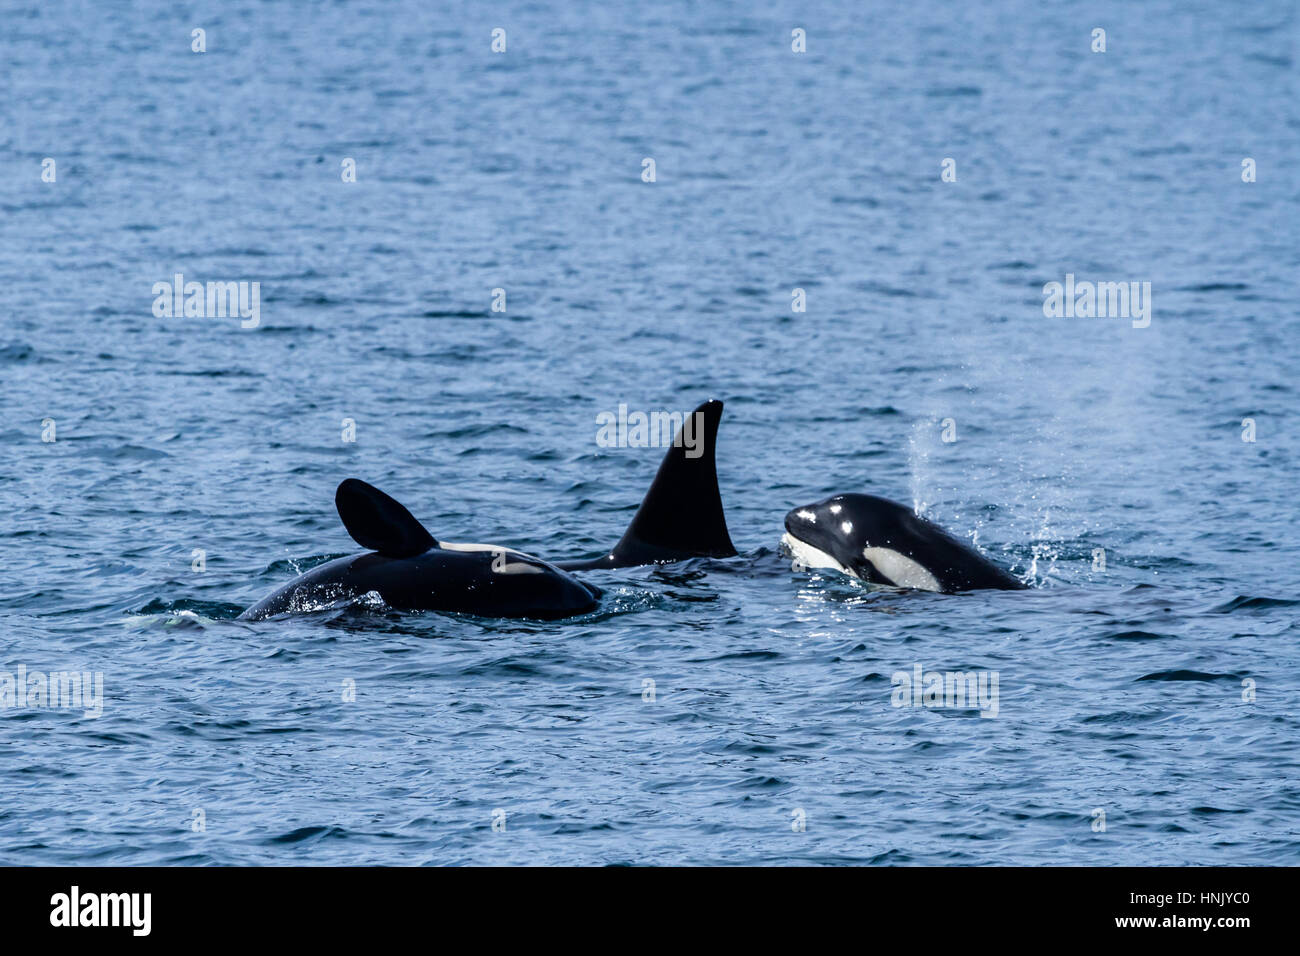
x=297 y=566
x=303 y=834
x=17 y=352
x=214 y=373
x=1246 y=603
x=738 y=656
x=126 y=453
x=866 y=201
x=1136 y=636
x=1214 y=287
x=893 y=292
x=891 y=858
x=1122 y=717
x=1187 y=675
x=183 y=613
x=180 y=619
x=502 y=667
x=476 y=431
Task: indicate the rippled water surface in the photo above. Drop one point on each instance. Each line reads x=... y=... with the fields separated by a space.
x=1123 y=691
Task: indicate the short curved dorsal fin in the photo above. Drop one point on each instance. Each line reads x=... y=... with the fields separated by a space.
x=379 y=522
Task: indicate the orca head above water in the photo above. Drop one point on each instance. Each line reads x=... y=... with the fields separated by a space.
x=886 y=543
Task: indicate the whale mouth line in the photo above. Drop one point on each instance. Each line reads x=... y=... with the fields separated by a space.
x=807 y=557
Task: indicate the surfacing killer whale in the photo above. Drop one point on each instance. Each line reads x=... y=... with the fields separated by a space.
x=680 y=517
x=883 y=542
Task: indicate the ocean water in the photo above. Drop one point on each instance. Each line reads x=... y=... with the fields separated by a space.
x=1146 y=710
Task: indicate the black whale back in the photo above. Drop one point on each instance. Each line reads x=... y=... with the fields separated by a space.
x=437 y=580
x=406 y=566
x=954 y=563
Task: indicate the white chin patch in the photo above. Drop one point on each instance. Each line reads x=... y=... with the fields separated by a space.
x=901 y=570
x=804 y=557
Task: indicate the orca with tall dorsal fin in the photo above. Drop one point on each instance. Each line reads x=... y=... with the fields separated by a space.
x=680 y=517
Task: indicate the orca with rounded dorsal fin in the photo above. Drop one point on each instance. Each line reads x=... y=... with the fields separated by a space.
x=413 y=571
x=680 y=517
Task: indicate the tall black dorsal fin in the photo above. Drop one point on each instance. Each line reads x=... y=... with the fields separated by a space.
x=681 y=515
x=380 y=523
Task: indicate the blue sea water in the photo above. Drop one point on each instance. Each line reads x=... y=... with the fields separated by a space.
x=1157 y=695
